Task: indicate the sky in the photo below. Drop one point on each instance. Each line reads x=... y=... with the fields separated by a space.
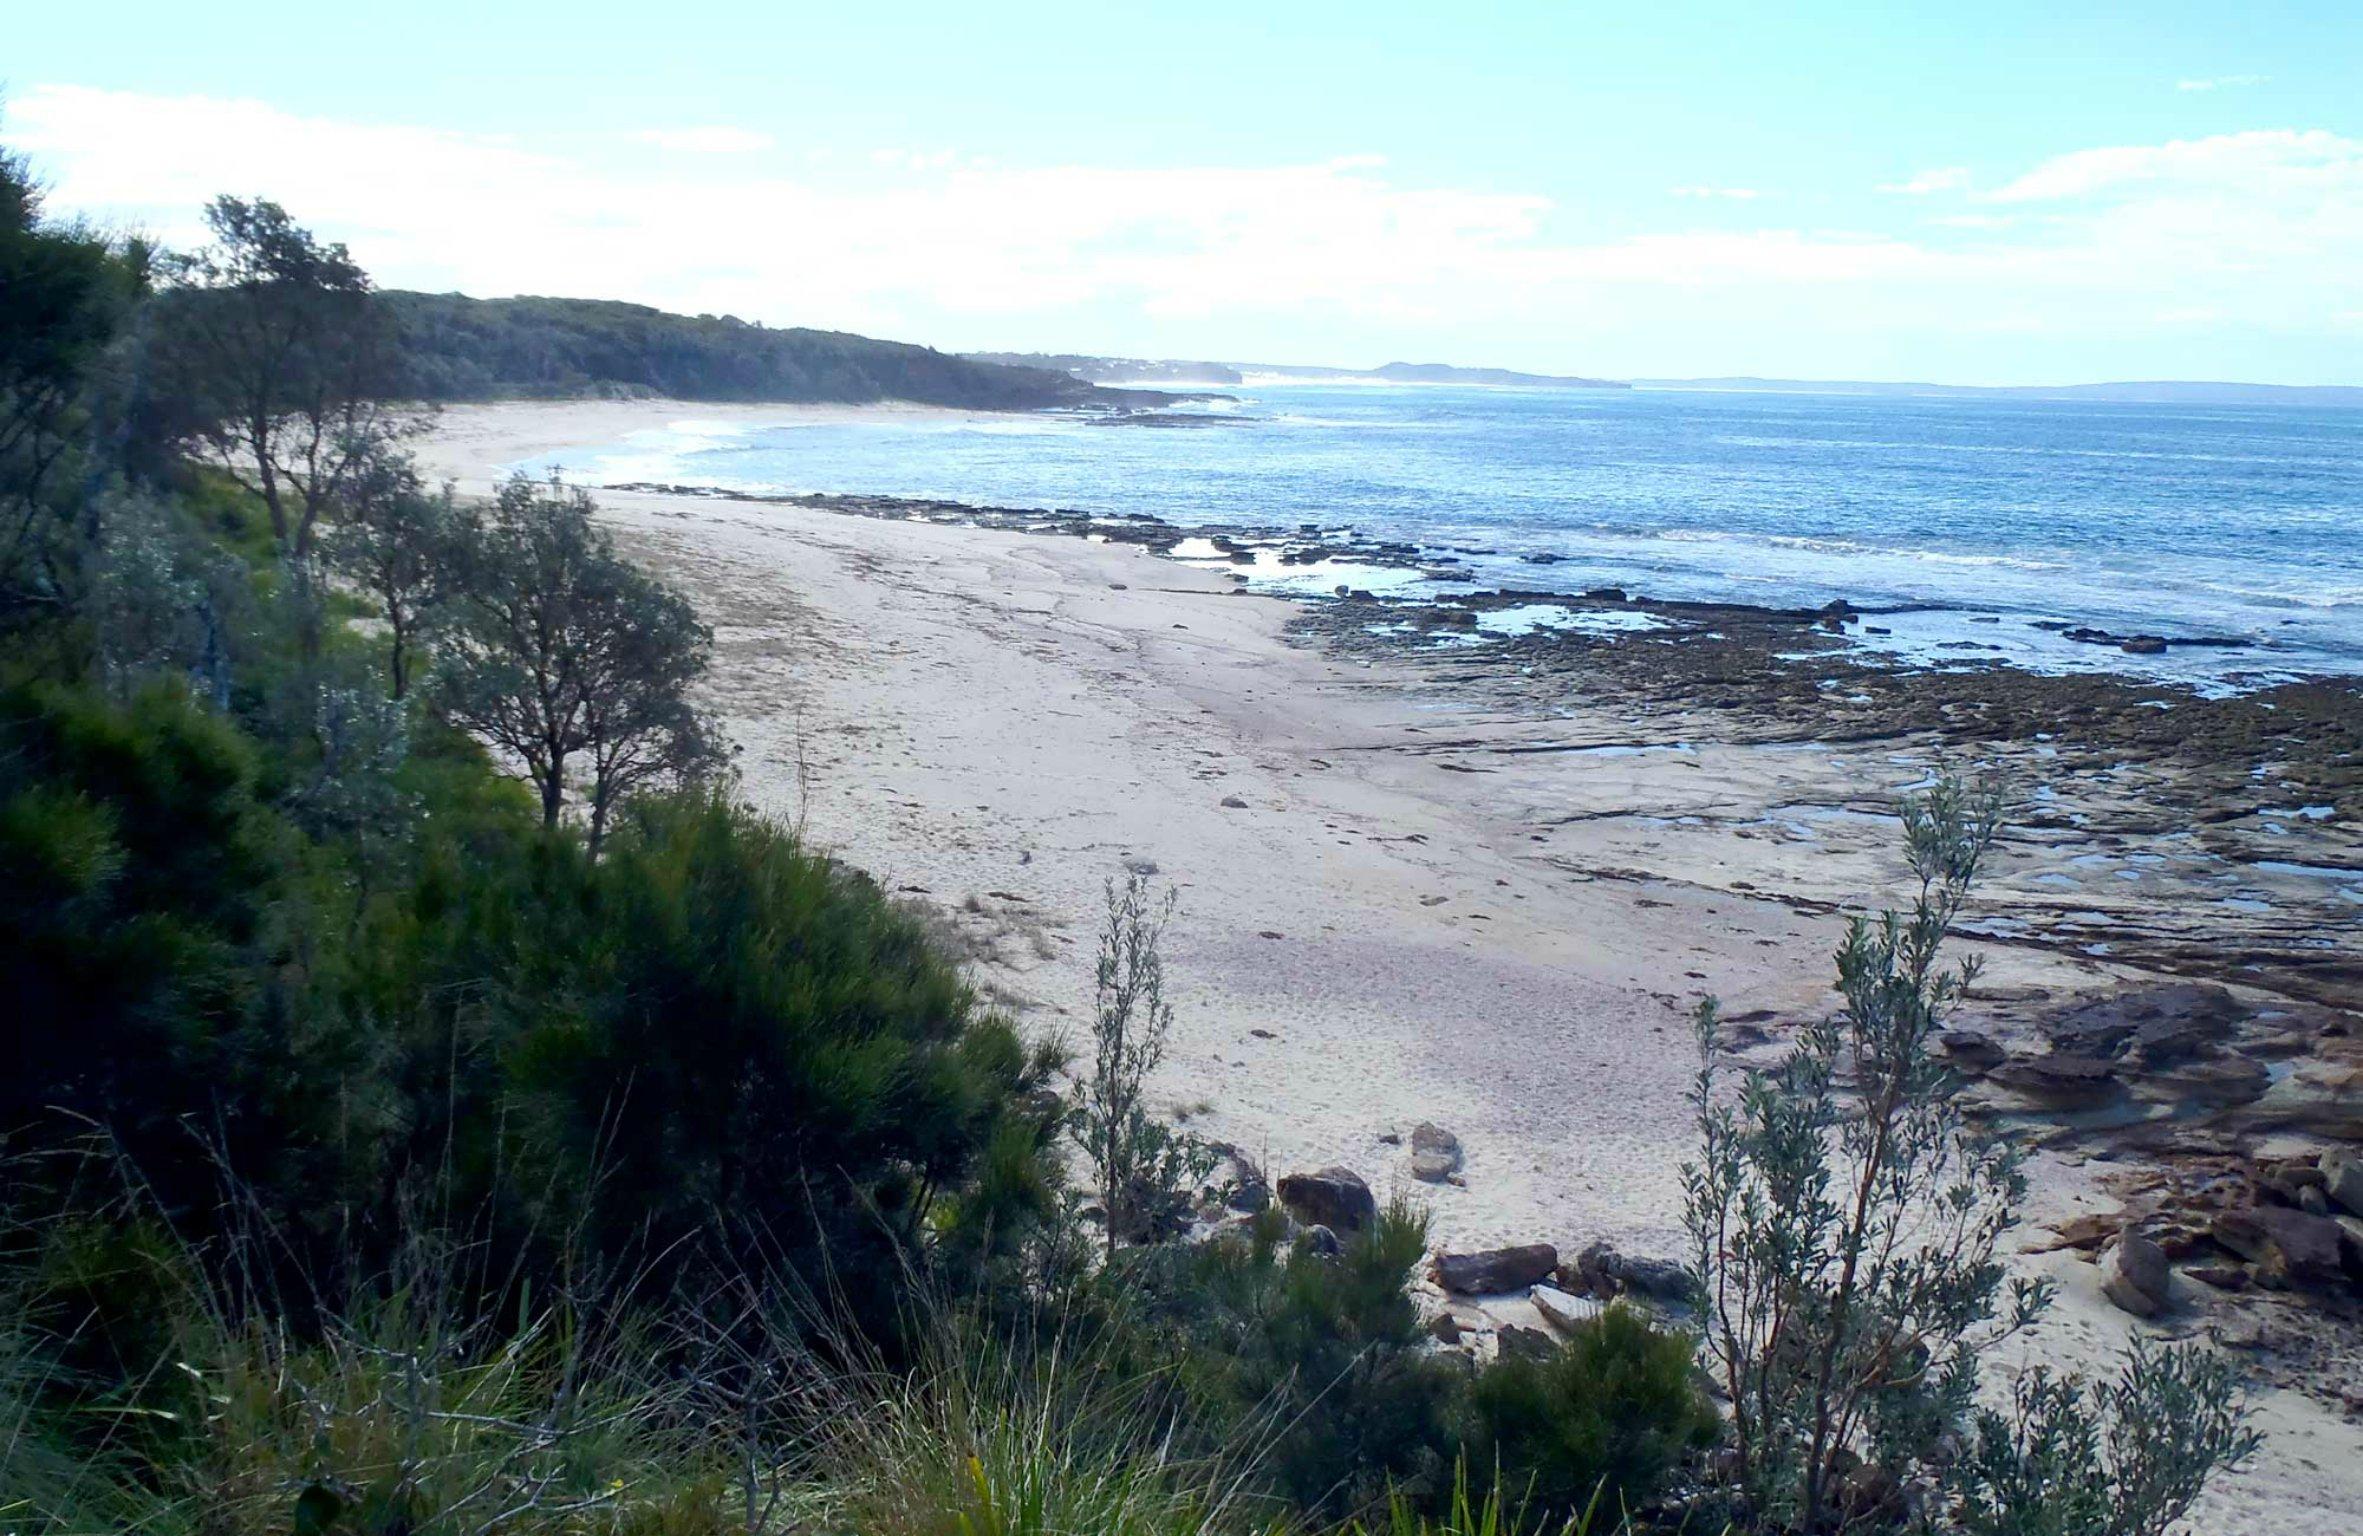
x=1999 y=193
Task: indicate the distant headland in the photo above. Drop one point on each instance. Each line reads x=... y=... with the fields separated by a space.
x=2128 y=392
x=1200 y=374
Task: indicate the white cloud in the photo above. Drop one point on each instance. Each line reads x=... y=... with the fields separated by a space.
x=2260 y=165
x=2220 y=82
x=708 y=141
x=2263 y=228
x=1944 y=179
x=1732 y=194
x=915 y=159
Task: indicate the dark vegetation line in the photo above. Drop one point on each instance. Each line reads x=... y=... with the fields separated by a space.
x=435 y=1105
x=453 y=347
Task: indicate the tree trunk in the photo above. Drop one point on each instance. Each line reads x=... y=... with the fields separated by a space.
x=398 y=648
x=267 y=474
x=599 y=799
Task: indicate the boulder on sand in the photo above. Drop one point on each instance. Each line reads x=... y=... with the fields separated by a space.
x=2133 y=1275
x=1435 y=1153
x=1247 y=1189
x=1497 y=1270
x=1335 y=1198
x=1562 y=1311
x=1603 y=1271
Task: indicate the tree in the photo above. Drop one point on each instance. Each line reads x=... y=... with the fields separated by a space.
x=1142 y=1166
x=561 y=650
x=1845 y=1244
x=274 y=338
x=639 y=725
x=1845 y=1222
x=64 y=294
x=395 y=542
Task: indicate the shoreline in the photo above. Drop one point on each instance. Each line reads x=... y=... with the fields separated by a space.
x=1772 y=670
x=1311 y=553
x=1938 y=606
x=1420 y=883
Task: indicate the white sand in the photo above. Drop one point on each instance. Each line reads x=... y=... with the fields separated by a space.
x=998 y=721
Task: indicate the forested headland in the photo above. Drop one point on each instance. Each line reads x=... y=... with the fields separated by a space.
x=452 y=347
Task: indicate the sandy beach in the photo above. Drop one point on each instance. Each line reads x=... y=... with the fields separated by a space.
x=1389 y=913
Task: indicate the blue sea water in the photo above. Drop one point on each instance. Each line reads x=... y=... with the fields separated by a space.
x=2243 y=522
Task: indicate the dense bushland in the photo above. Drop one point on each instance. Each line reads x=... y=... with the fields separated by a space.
x=457 y=348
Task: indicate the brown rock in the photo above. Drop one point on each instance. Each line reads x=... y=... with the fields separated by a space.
x=1606 y=1272
x=1562 y=1311
x=2350 y=1244
x=2321 y=1097
x=2179 y=1237
x=2058 y=1079
x=2133 y=1275
x=1971 y=1051
x=2342 y=1179
x=2080 y=1232
x=1335 y=1198
x=2224 y=1079
x=2159 y=1024
x=1435 y=1153
x=2224 y=1277
x=2291 y=1181
x=1496 y=1270
x=2286 y=1246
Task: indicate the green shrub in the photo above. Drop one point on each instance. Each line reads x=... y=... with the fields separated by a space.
x=2117 y=1458
x=1609 y=1415
x=136 y=870
x=1314 y=1359
x=710 y=1031
x=714 y=1033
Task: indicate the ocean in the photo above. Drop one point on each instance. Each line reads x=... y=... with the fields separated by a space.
x=1940 y=516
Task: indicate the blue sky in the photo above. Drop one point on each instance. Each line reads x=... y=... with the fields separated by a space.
x=1994 y=194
